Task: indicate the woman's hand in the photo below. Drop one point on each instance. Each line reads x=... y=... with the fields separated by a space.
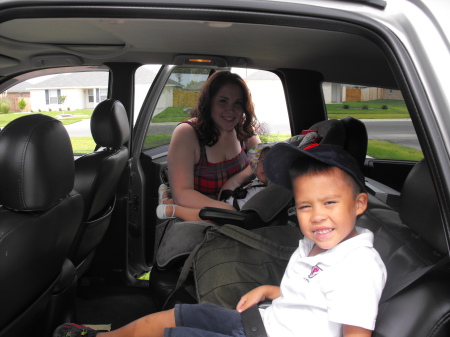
x=257 y=295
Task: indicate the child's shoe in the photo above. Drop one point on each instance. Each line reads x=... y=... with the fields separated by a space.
x=74 y=330
x=161 y=211
x=161 y=191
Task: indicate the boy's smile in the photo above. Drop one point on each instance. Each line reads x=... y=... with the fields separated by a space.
x=327 y=207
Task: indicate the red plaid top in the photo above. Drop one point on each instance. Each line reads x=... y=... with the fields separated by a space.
x=210 y=177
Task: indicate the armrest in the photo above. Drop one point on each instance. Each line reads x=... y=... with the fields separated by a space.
x=222 y=216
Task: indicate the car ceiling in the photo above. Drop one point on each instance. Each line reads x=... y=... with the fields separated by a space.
x=31 y=43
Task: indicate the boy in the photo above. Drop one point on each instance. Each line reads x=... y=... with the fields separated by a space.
x=334 y=280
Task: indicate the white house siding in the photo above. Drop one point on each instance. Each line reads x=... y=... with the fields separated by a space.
x=165 y=100
x=74 y=100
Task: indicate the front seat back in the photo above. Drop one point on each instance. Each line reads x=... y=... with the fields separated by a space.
x=39 y=217
x=97 y=176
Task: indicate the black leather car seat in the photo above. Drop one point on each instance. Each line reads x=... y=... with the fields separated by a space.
x=407 y=241
x=39 y=217
x=97 y=176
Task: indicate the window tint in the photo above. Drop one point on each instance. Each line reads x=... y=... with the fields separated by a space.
x=181 y=93
x=383 y=111
x=69 y=97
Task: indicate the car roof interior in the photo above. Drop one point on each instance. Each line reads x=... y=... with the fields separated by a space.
x=336 y=49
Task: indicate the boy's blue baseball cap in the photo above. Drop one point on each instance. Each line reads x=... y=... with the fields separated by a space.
x=280 y=158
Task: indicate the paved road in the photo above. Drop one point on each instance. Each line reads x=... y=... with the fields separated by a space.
x=398 y=131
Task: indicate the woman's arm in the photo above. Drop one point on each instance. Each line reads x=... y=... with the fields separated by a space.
x=239 y=178
x=184 y=153
x=257 y=295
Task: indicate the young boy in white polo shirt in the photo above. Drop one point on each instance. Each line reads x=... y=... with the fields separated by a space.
x=334 y=280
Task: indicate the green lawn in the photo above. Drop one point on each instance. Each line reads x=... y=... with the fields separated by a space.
x=171 y=114
x=78 y=115
x=374 y=110
x=388 y=150
x=82 y=145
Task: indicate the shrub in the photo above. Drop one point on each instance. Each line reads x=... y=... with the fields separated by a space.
x=22 y=104
x=60 y=109
x=68 y=108
x=39 y=110
x=263 y=129
x=49 y=109
x=4 y=106
x=346 y=106
x=365 y=107
x=384 y=107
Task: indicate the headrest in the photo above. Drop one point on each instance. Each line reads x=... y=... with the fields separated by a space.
x=36 y=163
x=109 y=124
x=419 y=207
x=332 y=132
x=356 y=140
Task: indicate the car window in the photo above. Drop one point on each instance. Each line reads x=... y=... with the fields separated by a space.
x=69 y=97
x=180 y=96
x=385 y=115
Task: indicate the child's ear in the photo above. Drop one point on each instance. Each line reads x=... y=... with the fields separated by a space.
x=361 y=203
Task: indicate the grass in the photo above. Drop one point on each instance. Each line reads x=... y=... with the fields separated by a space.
x=171 y=114
x=388 y=150
x=156 y=140
x=78 y=115
x=273 y=137
x=82 y=145
x=395 y=109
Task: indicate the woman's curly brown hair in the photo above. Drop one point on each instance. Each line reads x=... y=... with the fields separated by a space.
x=209 y=134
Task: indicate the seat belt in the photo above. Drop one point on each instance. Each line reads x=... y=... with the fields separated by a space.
x=252 y=322
x=410 y=278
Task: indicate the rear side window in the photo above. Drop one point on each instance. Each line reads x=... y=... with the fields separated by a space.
x=384 y=113
x=69 y=97
x=180 y=96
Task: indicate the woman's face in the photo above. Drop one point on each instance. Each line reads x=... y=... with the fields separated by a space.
x=227 y=107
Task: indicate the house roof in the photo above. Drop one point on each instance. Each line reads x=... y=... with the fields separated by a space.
x=21 y=87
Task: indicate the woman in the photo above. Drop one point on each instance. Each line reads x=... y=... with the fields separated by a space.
x=207 y=153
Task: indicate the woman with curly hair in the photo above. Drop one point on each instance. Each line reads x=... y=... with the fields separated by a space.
x=207 y=154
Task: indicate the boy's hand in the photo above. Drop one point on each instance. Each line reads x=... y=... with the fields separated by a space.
x=257 y=295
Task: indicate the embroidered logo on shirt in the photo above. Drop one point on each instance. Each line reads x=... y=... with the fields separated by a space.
x=314 y=271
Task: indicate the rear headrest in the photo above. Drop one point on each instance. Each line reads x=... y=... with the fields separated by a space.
x=356 y=140
x=419 y=207
x=332 y=132
x=36 y=163
x=109 y=124
x=348 y=132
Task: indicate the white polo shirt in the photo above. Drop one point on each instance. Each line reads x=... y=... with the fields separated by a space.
x=318 y=294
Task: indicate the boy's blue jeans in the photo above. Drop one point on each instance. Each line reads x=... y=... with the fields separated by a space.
x=205 y=320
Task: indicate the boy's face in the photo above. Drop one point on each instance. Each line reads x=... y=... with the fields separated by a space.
x=327 y=207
